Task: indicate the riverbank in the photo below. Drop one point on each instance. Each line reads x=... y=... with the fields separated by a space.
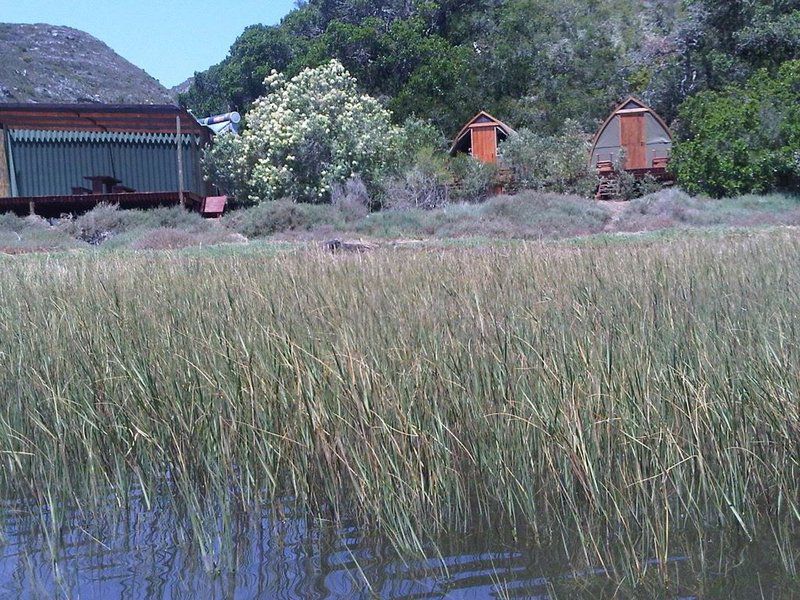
x=529 y=216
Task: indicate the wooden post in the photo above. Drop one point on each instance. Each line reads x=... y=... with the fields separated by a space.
x=180 y=160
x=5 y=174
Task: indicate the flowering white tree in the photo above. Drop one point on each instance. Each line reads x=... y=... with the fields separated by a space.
x=308 y=134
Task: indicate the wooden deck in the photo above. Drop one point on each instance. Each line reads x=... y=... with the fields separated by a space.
x=608 y=186
x=54 y=206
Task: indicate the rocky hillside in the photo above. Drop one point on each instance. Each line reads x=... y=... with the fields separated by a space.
x=44 y=63
x=182 y=88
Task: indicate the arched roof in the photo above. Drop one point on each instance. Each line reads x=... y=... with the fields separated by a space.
x=630 y=105
x=481 y=119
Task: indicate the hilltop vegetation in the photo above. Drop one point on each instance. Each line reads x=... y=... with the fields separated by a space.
x=532 y=62
x=554 y=68
x=45 y=63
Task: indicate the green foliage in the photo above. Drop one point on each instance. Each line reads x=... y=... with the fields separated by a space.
x=557 y=163
x=225 y=165
x=239 y=79
x=531 y=61
x=744 y=139
x=269 y=218
x=418 y=135
x=474 y=179
x=426 y=182
x=535 y=63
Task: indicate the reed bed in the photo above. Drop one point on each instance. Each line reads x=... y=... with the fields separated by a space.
x=623 y=394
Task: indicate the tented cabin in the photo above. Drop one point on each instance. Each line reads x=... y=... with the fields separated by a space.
x=637 y=132
x=636 y=129
x=70 y=157
x=480 y=137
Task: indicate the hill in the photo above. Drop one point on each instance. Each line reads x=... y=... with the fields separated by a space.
x=46 y=63
x=182 y=88
x=531 y=63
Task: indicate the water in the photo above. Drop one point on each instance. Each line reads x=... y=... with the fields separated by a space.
x=137 y=554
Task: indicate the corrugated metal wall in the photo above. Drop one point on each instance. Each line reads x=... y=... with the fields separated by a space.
x=52 y=163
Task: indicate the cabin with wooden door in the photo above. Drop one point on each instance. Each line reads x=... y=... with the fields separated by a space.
x=637 y=132
x=62 y=158
x=480 y=138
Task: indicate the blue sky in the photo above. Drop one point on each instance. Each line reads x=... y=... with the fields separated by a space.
x=170 y=39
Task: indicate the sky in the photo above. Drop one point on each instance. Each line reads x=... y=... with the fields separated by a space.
x=170 y=39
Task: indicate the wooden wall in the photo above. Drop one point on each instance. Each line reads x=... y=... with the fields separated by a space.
x=484 y=144
x=5 y=176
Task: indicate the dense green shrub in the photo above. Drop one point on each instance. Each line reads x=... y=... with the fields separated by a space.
x=225 y=166
x=744 y=139
x=556 y=163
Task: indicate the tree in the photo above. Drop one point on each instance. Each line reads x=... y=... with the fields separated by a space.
x=239 y=79
x=744 y=139
x=307 y=134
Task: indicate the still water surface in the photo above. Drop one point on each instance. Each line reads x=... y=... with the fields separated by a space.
x=142 y=554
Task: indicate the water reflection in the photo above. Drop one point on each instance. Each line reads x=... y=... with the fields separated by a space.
x=147 y=554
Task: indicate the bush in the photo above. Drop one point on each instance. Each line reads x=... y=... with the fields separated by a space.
x=97 y=225
x=31 y=234
x=536 y=215
x=674 y=208
x=418 y=136
x=269 y=218
x=225 y=165
x=550 y=163
x=351 y=199
x=743 y=139
x=105 y=221
x=426 y=183
x=12 y=223
x=528 y=215
x=475 y=180
x=308 y=134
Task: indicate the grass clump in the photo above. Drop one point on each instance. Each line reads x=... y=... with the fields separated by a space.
x=173 y=238
x=107 y=221
x=269 y=218
x=22 y=235
x=674 y=208
x=528 y=215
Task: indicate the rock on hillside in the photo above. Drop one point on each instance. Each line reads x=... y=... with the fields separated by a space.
x=45 y=63
x=182 y=88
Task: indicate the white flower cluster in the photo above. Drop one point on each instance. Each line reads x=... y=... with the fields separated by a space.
x=309 y=133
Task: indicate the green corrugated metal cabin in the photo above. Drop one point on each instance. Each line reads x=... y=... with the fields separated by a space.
x=49 y=150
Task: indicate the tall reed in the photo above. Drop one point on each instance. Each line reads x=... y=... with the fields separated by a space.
x=620 y=393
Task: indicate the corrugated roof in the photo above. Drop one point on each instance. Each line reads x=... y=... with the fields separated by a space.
x=40 y=135
x=124 y=118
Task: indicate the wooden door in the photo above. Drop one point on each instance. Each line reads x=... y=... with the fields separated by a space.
x=484 y=144
x=632 y=140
